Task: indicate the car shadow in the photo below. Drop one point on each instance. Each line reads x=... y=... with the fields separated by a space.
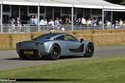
x=13 y=59
x=61 y=58
x=69 y=57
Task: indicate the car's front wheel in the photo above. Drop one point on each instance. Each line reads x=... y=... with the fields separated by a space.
x=55 y=52
x=89 y=50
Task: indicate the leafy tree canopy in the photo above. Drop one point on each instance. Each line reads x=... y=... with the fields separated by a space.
x=117 y=1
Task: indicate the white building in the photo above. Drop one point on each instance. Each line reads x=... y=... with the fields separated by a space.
x=52 y=9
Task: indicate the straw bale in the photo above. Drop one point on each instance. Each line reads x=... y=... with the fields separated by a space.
x=4 y=41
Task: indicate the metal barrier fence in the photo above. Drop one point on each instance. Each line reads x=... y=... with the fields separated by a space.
x=8 y=28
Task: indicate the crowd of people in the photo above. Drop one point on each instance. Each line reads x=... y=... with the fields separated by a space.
x=61 y=24
x=115 y=24
x=56 y=24
x=15 y=24
x=81 y=22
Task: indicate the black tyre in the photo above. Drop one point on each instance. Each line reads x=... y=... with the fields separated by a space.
x=23 y=57
x=55 y=52
x=89 y=50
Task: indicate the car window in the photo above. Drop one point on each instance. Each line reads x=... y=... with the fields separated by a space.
x=69 y=38
x=45 y=36
x=60 y=38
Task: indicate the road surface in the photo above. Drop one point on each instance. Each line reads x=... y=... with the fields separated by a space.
x=10 y=60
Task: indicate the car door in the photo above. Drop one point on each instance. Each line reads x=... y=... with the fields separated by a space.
x=73 y=45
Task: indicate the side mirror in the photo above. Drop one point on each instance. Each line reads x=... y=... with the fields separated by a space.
x=81 y=40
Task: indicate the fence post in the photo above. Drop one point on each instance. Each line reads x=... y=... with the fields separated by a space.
x=72 y=10
x=1 y=19
x=38 y=17
x=103 y=18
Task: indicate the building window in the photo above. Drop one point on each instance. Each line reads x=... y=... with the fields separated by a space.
x=42 y=9
x=87 y=13
x=6 y=8
x=15 y=11
x=79 y=12
x=56 y=12
x=96 y=12
x=66 y=10
x=32 y=9
x=74 y=10
x=49 y=12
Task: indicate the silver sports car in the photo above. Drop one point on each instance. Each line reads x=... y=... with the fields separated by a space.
x=54 y=45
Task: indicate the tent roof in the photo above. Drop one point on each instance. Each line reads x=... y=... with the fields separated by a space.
x=36 y=3
x=94 y=4
x=105 y=4
x=98 y=4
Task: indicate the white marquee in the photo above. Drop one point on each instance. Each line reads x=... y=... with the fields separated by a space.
x=95 y=4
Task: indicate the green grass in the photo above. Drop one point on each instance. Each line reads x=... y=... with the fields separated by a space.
x=97 y=70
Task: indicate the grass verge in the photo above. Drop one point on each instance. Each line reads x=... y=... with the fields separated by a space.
x=103 y=70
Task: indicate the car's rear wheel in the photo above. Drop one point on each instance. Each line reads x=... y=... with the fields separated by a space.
x=55 y=52
x=89 y=50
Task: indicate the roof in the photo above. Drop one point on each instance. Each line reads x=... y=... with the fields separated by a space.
x=94 y=4
x=36 y=3
x=98 y=4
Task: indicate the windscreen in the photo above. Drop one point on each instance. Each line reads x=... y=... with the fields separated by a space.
x=45 y=36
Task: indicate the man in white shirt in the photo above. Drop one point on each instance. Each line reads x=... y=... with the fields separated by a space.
x=36 y=20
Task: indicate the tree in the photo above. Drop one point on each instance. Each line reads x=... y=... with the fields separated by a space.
x=117 y=1
x=123 y=2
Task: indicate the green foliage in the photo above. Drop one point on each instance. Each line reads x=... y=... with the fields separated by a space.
x=123 y=2
x=116 y=1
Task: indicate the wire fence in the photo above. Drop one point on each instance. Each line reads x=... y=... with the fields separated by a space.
x=8 y=28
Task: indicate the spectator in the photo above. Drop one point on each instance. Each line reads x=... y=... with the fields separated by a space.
x=78 y=21
x=45 y=22
x=89 y=22
x=36 y=21
x=42 y=22
x=83 y=21
x=13 y=24
x=95 y=22
x=62 y=28
x=116 y=24
x=57 y=24
x=13 y=21
x=18 y=24
x=108 y=24
x=121 y=23
x=61 y=21
x=51 y=24
x=100 y=23
x=74 y=21
x=32 y=21
x=67 y=21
